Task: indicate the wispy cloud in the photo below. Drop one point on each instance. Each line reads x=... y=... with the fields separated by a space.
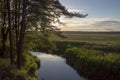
x=77 y=10
x=96 y=24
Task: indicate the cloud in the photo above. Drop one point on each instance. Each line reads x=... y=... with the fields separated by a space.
x=107 y=23
x=77 y=10
x=90 y=24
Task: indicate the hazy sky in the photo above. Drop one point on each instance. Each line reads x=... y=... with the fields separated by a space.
x=103 y=15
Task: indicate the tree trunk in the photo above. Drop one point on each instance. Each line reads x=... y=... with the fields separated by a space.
x=16 y=22
x=10 y=32
x=3 y=35
x=3 y=42
x=21 y=37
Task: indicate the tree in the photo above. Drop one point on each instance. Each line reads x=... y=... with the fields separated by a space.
x=39 y=14
x=10 y=31
x=21 y=16
x=4 y=28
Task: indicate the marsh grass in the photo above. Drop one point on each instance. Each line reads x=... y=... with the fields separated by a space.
x=90 y=37
x=95 y=64
x=93 y=60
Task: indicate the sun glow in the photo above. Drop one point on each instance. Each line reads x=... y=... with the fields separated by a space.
x=90 y=24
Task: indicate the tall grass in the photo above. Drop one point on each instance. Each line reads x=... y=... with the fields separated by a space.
x=28 y=71
x=61 y=46
x=96 y=55
x=95 y=64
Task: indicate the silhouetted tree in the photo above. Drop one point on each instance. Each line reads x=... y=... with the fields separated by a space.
x=4 y=28
x=10 y=30
x=20 y=16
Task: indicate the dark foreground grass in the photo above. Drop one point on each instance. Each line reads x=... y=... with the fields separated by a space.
x=28 y=71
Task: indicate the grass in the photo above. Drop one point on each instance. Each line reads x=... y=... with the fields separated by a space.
x=95 y=64
x=28 y=71
x=90 y=37
x=93 y=55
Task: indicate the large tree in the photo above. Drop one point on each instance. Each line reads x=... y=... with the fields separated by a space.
x=20 y=16
x=3 y=26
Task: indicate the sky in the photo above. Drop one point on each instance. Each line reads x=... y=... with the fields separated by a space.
x=103 y=15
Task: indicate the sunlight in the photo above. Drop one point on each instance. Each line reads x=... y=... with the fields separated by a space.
x=56 y=24
x=90 y=24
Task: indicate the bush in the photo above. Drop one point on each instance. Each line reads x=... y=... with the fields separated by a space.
x=32 y=69
x=21 y=75
x=37 y=61
x=71 y=55
x=6 y=72
x=10 y=72
x=28 y=71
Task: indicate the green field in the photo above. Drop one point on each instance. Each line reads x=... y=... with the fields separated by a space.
x=91 y=37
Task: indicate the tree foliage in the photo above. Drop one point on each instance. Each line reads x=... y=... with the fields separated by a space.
x=18 y=17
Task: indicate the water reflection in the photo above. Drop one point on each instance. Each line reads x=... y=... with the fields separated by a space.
x=55 y=68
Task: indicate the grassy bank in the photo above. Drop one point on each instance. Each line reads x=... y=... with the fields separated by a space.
x=94 y=64
x=28 y=71
x=61 y=46
x=92 y=60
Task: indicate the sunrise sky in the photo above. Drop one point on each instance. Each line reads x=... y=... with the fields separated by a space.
x=103 y=15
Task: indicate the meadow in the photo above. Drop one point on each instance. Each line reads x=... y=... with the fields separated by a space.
x=90 y=37
x=94 y=55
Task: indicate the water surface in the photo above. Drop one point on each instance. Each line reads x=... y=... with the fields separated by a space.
x=54 y=67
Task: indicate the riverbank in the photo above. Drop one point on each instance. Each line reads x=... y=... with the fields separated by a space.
x=95 y=61
x=92 y=60
x=28 y=72
x=95 y=56
x=94 y=64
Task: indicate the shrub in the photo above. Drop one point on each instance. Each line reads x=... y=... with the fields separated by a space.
x=10 y=72
x=28 y=71
x=21 y=75
x=71 y=55
x=32 y=69
x=6 y=71
x=37 y=61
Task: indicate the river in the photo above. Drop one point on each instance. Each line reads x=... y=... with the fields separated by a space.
x=54 y=67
